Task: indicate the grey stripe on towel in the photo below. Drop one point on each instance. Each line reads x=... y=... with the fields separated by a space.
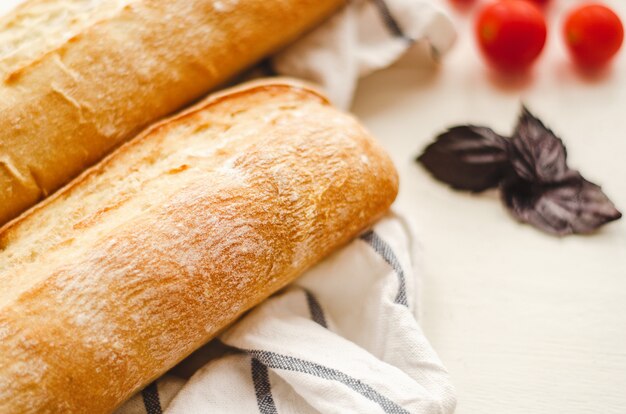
x=384 y=250
x=262 y=388
x=317 y=314
x=151 y=401
x=390 y=22
x=278 y=361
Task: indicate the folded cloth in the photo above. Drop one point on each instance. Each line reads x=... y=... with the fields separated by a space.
x=344 y=338
x=364 y=36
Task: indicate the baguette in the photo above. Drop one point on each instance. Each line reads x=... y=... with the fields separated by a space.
x=147 y=255
x=79 y=77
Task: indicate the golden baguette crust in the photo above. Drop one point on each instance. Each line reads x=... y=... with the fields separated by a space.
x=146 y=256
x=77 y=78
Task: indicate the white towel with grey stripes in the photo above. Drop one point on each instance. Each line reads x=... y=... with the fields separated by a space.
x=344 y=338
x=363 y=37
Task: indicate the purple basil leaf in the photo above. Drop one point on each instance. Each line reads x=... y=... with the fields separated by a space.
x=573 y=206
x=536 y=154
x=467 y=158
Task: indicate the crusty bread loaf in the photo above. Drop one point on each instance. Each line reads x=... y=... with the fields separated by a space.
x=79 y=77
x=146 y=256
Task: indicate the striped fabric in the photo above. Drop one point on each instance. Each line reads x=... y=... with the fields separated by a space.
x=366 y=36
x=343 y=338
x=262 y=387
x=383 y=249
x=151 y=400
x=390 y=21
x=284 y=362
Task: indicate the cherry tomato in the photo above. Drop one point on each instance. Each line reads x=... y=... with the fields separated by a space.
x=540 y=2
x=511 y=34
x=593 y=34
x=462 y=3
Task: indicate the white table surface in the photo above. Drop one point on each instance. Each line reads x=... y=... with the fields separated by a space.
x=525 y=322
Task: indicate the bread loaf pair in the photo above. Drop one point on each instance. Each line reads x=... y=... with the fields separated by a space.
x=79 y=77
x=146 y=256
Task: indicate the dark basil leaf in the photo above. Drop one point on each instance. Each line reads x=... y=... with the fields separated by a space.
x=536 y=154
x=573 y=206
x=531 y=169
x=467 y=158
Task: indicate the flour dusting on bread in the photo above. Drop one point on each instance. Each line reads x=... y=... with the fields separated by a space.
x=35 y=28
x=151 y=253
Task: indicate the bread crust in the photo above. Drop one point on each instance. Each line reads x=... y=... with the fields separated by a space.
x=76 y=84
x=147 y=255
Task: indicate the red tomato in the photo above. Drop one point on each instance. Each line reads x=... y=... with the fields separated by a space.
x=511 y=34
x=463 y=5
x=540 y=2
x=593 y=34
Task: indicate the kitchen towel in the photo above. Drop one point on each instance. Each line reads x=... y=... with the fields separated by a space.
x=365 y=36
x=344 y=338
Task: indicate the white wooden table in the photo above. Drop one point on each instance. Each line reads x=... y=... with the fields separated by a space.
x=525 y=322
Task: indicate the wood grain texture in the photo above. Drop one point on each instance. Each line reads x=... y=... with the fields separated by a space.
x=145 y=257
x=78 y=78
